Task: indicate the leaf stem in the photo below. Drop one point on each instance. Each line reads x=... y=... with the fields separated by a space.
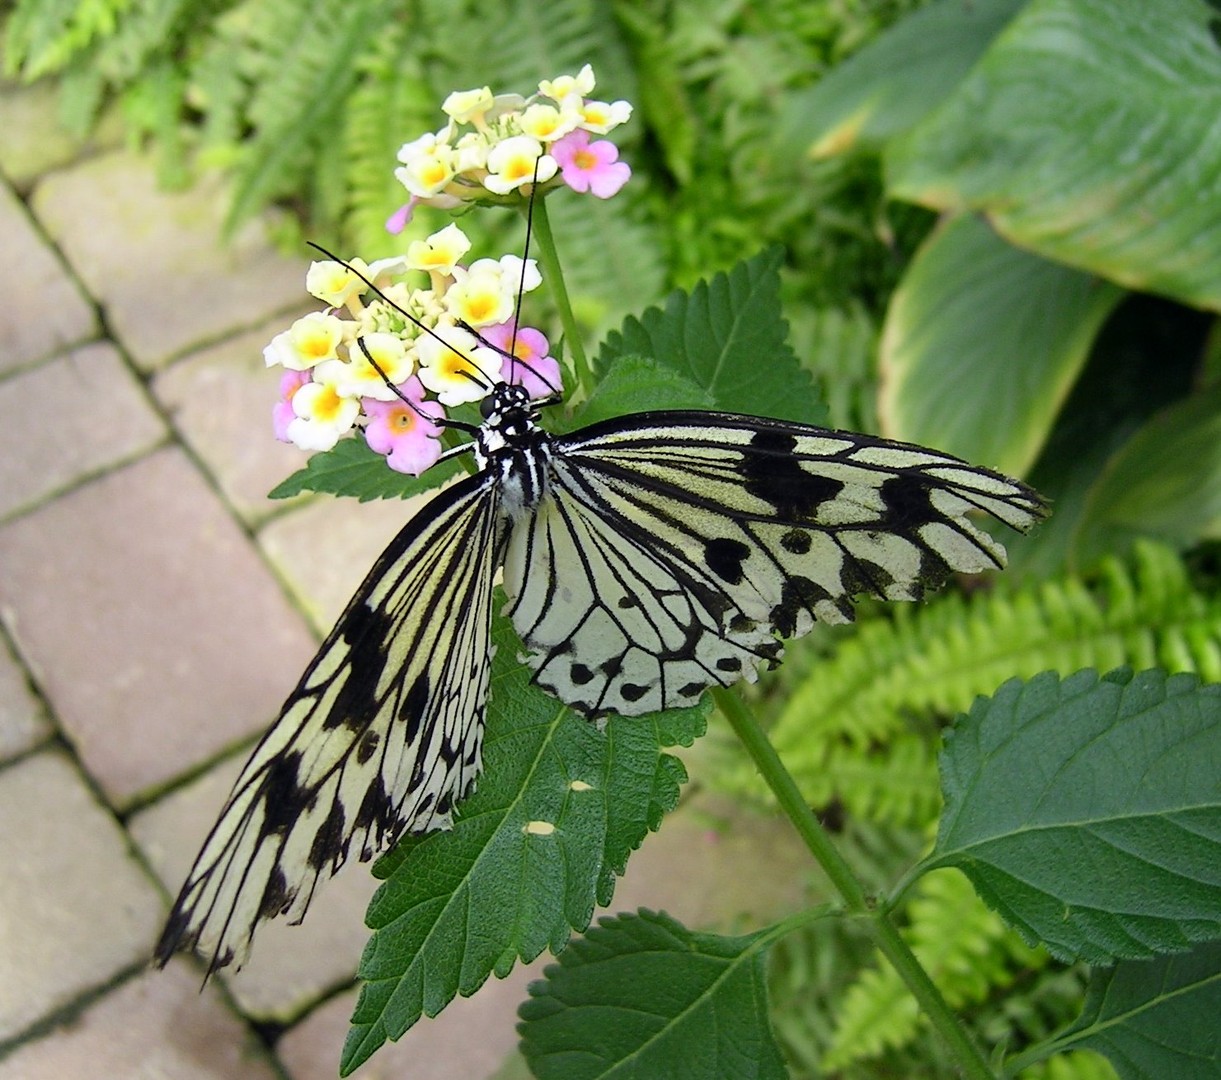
x=553 y=275
x=883 y=931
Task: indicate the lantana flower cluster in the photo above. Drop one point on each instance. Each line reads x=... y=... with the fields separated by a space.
x=462 y=342
x=493 y=146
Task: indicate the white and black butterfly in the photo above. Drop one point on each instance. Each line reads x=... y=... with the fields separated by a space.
x=645 y=558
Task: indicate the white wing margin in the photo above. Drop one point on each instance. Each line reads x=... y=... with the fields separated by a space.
x=672 y=548
x=382 y=735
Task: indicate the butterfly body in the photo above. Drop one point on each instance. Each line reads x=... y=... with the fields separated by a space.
x=645 y=558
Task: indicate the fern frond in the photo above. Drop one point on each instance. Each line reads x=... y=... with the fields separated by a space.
x=42 y=36
x=511 y=45
x=966 y=949
x=309 y=67
x=392 y=104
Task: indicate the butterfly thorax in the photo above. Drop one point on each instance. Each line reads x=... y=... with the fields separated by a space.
x=512 y=445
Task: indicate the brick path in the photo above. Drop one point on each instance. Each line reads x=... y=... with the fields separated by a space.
x=155 y=609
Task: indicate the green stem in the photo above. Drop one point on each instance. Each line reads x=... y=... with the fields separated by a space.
x=554 y=277
x=883 y=931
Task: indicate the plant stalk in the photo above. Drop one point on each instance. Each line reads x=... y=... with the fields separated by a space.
x=549 y=258
x=883 y=931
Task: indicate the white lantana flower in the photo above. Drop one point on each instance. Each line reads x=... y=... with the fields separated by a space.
x=322 y=416
x=453 y=368
x=312 y=339
x=358 y=378
x=560 y=87
x=468 y=106
x=440 y=252
x=514 y=161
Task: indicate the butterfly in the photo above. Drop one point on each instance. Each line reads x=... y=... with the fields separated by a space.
x=645 y=558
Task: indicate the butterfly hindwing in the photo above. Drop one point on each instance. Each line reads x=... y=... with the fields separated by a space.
x=671 y=548
x=382 y=735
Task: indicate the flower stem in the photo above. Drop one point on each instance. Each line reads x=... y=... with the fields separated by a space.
x=883 y=931
x=554 y=277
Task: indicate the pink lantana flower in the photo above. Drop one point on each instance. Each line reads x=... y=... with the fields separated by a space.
x=405 y=432
x=282 y=414
x=533 y=369
x=586 y=166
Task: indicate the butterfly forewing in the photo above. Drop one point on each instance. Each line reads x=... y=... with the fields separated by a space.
x=382 y=735
x=671 y=547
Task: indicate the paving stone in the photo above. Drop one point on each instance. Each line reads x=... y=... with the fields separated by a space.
x=23 y=721
x=290 y=967
x=77 y=909
x=35 y=142
x=155 y=631
x=325 y=549
x=470 y=1038
x=155 y=1027
x=714 y=865
x=43 y=308
x=221 y=401
x=155 y=261
x=39 y=455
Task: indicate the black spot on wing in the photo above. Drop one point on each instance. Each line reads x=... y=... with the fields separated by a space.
x=778 y=479
x=691 y=689
x=798 y=594
x=580 y=674
x=330 y=845
x=414 y=704
x=365 y=632
x=907 y=503
x=375 y=818
x=729 y=663
x=284 y=800
x=796 y=541
x=276 y=895
x=367 y=746
x=725 y=558
x=633 y=691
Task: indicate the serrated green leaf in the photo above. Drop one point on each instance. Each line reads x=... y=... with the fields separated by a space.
x=558 y=809
x=1087 y=134
x=891 y=84
x=727 y=336
x=639 y=384
x=989 y=396
x=351 y=468
x=1165 y=481
x=1086 y=810
x=1154 y=1019
x=641 y=996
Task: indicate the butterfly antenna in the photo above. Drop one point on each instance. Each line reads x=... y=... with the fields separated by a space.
x=485 y=383
x=443 y=421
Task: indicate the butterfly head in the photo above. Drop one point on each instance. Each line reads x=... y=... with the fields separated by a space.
x=510 y=421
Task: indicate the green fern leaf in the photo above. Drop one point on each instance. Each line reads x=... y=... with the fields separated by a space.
x=309 y=69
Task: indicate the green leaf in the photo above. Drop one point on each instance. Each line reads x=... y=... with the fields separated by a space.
x=1154 y=1019
x=351 y=468
x=728 y=337
x=895 y=81
x=639 y=384
x=641 y=996
x=1165 y=482
x=559 y=808
x=1087 y=134
x=983 y=343
x=1085 y=810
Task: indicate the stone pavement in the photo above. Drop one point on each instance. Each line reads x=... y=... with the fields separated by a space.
x=155 y=609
